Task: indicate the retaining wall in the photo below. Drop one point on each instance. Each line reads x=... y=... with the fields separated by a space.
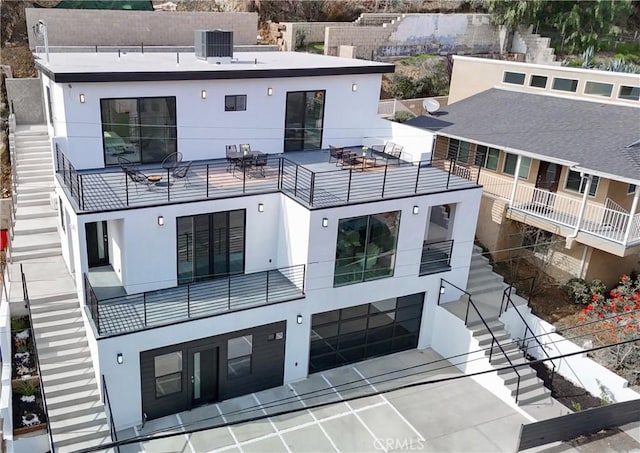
x=27 y=98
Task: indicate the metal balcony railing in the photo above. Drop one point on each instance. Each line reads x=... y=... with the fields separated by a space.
x=436 y=257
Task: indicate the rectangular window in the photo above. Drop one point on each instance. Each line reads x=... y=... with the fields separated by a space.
x=235 y=102
x=168 y=373
x=61 y=209
x=598 y=89
x=50 y=105
x=577 y=184
x=510 y=162
x=458 y=150
x=631 y=93
x=487 y=157
x=366 y=248
x=452 y=150
x=561 y=84
x=516 y=78
x=141 y=130
x=631 y=189
x=538 y=81
x=239 y=352
x=210 y=245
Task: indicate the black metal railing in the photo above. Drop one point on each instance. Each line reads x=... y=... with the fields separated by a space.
x=436 y=256
x=111 y=189
x=528 y=334
x=494 y=340
x=25 y=295
x=193 y=300
x=107 y=407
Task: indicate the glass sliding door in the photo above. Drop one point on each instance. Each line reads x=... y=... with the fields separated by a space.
x=210 y=245
x=304 y=120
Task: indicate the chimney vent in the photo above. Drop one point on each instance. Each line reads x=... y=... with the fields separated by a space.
x=214 y=46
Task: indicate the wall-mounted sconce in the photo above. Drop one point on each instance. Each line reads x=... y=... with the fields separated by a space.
x=119 y=358
x=82 y=98
x=299 y=319
x=203 y=94
x=160 y=220
x=416 y=210
x=354 y=87
x=441 y=289
x=325 y=222
x=269 y=91
x=260 y=207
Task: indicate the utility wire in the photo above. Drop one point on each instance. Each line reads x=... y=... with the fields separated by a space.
x=146 y=438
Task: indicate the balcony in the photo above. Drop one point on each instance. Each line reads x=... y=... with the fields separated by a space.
x=134 y=312
x=608 y=220
x=306 y=176
x=436 y=257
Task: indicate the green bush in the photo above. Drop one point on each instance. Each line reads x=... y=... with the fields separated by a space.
x=402 y=116
x=581 y=292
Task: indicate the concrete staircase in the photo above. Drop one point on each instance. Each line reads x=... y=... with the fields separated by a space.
x=76 y=414
x=536 y=48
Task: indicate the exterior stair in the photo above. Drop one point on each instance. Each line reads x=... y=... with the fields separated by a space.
x=76 y=414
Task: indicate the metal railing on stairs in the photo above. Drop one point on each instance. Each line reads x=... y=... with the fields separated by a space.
x=25 y=294
x=107 y=407
x=494 y=340
x=506 y=301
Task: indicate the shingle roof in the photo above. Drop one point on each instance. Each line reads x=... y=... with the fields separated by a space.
x=593 y=135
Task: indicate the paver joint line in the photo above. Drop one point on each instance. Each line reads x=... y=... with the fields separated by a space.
x=315 y=418
x=273 y=425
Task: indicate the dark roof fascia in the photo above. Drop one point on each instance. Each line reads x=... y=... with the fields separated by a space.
x=68 y=77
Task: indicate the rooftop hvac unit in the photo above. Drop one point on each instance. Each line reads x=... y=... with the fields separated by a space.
x=214 y=45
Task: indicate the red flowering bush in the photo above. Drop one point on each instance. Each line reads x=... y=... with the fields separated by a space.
x=615 y=318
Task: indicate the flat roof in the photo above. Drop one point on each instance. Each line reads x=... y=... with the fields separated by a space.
x=591 y=136
x=67 y=67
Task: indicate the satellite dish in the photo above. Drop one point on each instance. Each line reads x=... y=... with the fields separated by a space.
x=431 y=105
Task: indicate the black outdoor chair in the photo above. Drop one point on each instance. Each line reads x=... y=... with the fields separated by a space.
x=182 y=172
x=244 y=162
x=260 y=162
x=137 y=177
x=172 y=161
x=232 y=156
x=335 y=153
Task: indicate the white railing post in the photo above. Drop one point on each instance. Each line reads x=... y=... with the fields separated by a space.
x=583 y=205
x=516 y=176
x=632 y=213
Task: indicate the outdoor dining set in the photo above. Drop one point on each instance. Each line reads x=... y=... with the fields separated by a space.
x=250 y=162
x=362 y=158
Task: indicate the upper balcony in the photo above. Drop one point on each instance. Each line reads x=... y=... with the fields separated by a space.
x=306 y=176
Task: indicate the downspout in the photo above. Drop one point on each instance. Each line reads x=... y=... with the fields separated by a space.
x=632 y=213
x=583 y=206
x=515 y=181
x=583 y=261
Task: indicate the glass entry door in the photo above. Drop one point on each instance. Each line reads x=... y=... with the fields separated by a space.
x=304 y=120
x=97 y=243
x=203 y=371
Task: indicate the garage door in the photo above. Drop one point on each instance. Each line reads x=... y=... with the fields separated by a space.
x=351 y=334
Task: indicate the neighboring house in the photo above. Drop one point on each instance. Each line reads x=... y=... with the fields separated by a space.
x=208 y=275
x=573 y=137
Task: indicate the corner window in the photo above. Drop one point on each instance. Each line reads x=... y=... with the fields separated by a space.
x=510 y=162
x=168 y=373
x=576 y=183
x=630 y=93
x=561 y=84
x=538 y=81
x=598 y=89
x=516 y=78
x=631 y=189
x=487 y=157
x=235 y=103
x=239 y=352
x=366 y=248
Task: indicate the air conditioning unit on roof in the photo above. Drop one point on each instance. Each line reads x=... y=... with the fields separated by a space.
x=214 y=46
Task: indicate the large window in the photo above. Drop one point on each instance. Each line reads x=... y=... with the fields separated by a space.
x=577 y=183
x=210 y=245
x=366 y=248
x=235 y=102
x=168 y=373
x=510 y=163
x=487 y=157
x=304 y=120
x=239 y=352
x=458 y=150
x=141 y=130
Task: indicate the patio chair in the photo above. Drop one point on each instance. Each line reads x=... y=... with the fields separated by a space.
x=245 y=148
x=137 y=177
x=244 y=162
x=259 y=162
x=335 y=153
x=182 y=172
x=172 y=161
x=232 y=156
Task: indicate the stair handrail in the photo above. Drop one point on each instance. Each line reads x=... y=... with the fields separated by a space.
x=25 y=293
x=493 y=338
x=506 y=294
x=105 y=401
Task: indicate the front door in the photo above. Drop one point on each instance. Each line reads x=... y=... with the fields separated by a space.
x=304 y=120
x=203 y=375
x=97 y=243
x=547 y=183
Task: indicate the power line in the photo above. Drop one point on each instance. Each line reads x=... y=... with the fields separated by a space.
x=146 y=438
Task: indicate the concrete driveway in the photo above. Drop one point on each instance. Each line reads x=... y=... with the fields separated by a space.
x=454 y=416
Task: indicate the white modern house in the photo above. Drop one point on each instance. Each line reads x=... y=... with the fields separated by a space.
x=207 y=272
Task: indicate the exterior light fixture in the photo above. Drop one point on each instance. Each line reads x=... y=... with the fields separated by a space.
x=325 y=222
x=82 y=99
x=260 y=207
x=441 y=289
x=203 y=94
x=269 y=91
x=299 y=319
x=416 y=210
x=354 y=87
x=160 y=220
x=120 y=358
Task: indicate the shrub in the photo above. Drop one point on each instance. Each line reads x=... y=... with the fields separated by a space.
x=26 y=388
x=402 y=116
x=581 y=292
